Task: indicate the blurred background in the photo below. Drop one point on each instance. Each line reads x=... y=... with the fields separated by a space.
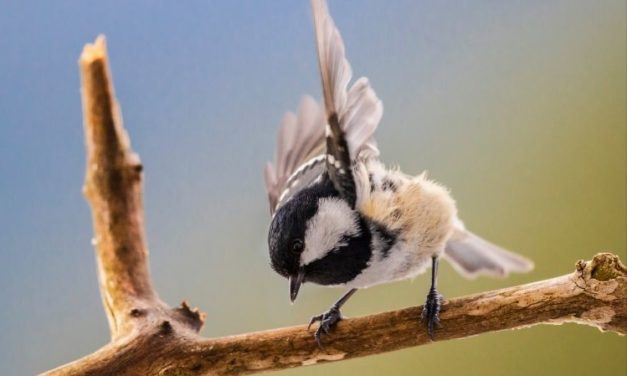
x=518 y=107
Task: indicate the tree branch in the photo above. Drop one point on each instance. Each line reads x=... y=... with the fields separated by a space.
x=149 y=338
x=114 y=191
x=113 y=188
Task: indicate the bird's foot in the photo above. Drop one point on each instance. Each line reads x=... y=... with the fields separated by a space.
x=328 y=320
x=431 y=311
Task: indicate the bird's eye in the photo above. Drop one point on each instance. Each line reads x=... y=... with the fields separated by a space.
x=297 y=245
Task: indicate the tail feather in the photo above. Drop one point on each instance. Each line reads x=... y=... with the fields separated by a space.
x=471 y=255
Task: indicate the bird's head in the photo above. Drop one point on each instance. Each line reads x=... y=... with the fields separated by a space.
x=307 y=234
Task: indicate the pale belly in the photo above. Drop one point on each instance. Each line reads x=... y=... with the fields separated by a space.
x=403 y=261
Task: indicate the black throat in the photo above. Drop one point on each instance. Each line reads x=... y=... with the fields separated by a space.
x=344 y=263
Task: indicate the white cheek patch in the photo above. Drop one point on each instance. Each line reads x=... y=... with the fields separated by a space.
x=325 y=230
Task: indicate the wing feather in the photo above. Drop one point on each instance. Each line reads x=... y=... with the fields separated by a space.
x=352 y=116
x=361 y=118
x=300 y=138
x=358 y=109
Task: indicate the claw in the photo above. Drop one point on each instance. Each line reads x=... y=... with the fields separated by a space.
x=313 y=320
x=317 y=336
x=324 y=328
x=328 y=320
x=431 y=312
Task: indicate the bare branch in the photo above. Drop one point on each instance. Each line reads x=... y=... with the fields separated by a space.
x=114 y=190
x=595 y=295
x=148 y=338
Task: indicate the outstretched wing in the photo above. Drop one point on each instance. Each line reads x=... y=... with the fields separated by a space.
x=300 y=139
x=352 y=114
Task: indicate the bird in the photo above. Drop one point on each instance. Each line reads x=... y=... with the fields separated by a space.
x=341 y=218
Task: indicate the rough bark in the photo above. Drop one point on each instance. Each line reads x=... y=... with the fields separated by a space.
x=149 y=338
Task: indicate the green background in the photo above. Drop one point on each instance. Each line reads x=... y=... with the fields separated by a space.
x=518 y=107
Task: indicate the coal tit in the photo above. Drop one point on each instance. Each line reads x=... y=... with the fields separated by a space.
x=341 y=218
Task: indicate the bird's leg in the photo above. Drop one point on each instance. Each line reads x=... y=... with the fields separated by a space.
x=330 y=318
x=431 y=310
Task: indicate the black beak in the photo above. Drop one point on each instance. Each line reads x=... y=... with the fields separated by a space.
x=295 y=282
